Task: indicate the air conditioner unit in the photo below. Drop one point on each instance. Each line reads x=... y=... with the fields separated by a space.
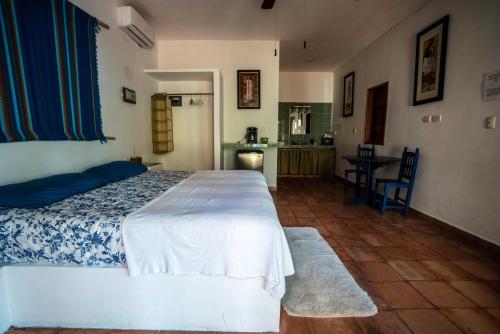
x=135 y=27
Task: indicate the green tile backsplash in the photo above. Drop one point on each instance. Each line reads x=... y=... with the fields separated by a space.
x=321 y=119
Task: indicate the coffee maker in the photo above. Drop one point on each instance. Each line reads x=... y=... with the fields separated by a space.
x=251 y=135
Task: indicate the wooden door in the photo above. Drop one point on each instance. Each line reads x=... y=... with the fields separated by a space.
x=376 y=111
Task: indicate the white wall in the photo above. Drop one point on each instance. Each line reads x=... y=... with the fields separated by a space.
x=229 y=56
x=121 y=63
x=457 y=179
x=5 y=319
x=193 y=128
x=306 y=87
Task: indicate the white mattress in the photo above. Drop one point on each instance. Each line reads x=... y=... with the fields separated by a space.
x=213 y=223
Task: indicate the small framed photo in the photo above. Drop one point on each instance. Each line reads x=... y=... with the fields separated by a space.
x=176 y=100
x=248 y=89
x=348 y=104
x=430 y=61
x=128 y=95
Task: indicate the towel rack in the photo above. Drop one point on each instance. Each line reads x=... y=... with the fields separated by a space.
x=102 y=24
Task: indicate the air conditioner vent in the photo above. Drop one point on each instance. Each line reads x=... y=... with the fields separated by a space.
x=135 y=27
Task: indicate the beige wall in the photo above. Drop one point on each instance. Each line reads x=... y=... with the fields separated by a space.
x=193 y=128
x=306 y=87
x=120 y=63
x=458 y=177
x=229 y=56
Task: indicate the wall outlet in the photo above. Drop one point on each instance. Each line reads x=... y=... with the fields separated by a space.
x=490 y=122
x=426 y=119
x=262 y=129
x=354 y=131
x=436 y=118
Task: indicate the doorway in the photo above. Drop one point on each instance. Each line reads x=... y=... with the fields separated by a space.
x=193 y=125
x=376 y=111
x=206 y=125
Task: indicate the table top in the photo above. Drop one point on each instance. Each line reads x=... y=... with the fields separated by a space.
x=376 y=159
x=151 y=164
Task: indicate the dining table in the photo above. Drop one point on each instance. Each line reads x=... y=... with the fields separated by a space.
x=369 y=164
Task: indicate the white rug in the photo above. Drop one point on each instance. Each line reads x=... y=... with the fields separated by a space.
x=321 y=286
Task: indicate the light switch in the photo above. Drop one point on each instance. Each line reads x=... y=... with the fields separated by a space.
x=436 y=118
x=490 y=122
x=354 y=131
x=426 y=118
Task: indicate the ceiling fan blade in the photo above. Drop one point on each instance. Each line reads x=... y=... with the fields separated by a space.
x=268 y=4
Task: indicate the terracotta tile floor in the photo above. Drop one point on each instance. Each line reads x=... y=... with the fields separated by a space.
x=423 y=279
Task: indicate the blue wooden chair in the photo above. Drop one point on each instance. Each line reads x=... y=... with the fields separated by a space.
x=405 y=180
x=362 y=152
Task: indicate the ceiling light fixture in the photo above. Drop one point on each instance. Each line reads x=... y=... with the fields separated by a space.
x=305 y=24
x=267 y=4
x=276 y=29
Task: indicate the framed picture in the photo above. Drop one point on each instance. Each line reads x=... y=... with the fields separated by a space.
x=348 y=107
x=430 y=61
x=248 y=89
x=128 y=95
x=176 y=100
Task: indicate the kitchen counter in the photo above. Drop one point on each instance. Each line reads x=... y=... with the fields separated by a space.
x=279 y=145
x=307 y=147
x=255 y=145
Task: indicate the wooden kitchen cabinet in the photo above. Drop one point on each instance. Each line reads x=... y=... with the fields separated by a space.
x=306 y=161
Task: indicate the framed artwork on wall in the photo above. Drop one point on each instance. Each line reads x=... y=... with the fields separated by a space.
x=128 y=95
x=248 y=89
x=348 y=104
x=176 y=100
x=430 y=61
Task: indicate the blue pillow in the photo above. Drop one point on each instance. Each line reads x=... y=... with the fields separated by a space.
x=48 y=190
x=118 y=170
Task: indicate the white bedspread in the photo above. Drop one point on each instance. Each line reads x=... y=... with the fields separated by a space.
x=213 y=223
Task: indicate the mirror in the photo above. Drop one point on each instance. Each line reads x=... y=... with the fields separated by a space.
x=300 y=120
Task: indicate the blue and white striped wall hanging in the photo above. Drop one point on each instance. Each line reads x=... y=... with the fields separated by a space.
x=48 y=72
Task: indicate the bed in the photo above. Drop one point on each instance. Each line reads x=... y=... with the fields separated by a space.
x=84 y=229
x=161 y=250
